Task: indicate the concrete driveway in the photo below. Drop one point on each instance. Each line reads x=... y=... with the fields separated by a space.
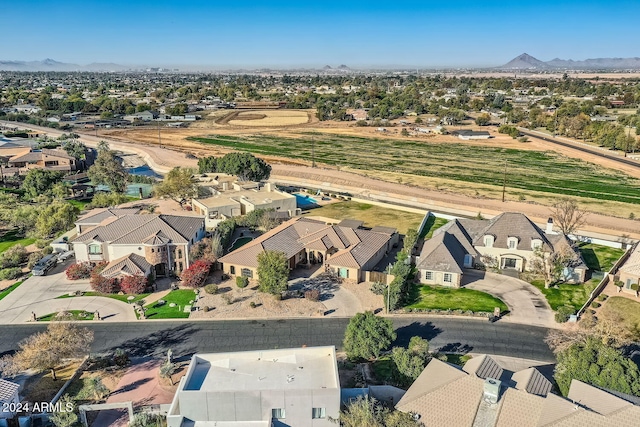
x=338 y=301
x=526 y=303
x=38 y=294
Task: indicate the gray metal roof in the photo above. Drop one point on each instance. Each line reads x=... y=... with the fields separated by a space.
x=132 y=264
x=8 y=390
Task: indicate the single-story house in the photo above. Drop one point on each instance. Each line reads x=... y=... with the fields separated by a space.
x=629 y=272
x=472 y=134
x=43 y=159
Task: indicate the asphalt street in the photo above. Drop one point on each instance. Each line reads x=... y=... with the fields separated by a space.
x=154 y=338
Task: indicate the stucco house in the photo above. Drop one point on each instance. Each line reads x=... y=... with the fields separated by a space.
x=51 y=159
x=348 y=251
x=508 y=241
x=136 y=243
x=629 y=272
x=264 y=388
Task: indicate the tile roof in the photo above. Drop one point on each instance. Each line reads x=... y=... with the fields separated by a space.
x=132 y=264
x=443 y=252
x=511 y=224
x=632 y=264
x=132 y=229
x=355 y=246
x=7 y=390
x=532 y=381
x=96 y=216
x=483 y=367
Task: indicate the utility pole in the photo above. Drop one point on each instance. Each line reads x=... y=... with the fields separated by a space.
x=504 y=181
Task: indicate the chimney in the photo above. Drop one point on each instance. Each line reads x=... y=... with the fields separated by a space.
x=268 y=187
x=225 y=186
x=549 y=229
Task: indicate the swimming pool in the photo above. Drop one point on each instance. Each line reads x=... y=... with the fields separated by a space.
x=303 y=200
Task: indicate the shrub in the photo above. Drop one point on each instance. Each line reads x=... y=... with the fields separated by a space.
x=34 y=257
x=42 y=243
x=81 y=270
x=120 y=357
x=47 y=250
x=312 y=295
x=252 y=304
x=211 y=288
x=619 y=283
x=603 y=297
x=99 y=283
x=10 y=273
x=227 y=298
x=563 y=313
x=196 y=274
x=378 y=288
x=134 y=284
x=13 y=257
x=595 y=304
x=205 y=308
x=635 y=287
x=146 y=419
x=242 y=282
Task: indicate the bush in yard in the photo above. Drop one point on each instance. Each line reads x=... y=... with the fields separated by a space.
x=99 y=283
x=13 y=257
x=42 y=243
x=367 y=335
x=33 y=259
x=81 y=270
x=312 y=295
x=378 y=288
x=10 y=273
x=242 y=282
x=563 y=313
x=196 y=274
x=273 y=272
x=211 y=288
x=134 y=284
x=120 y=357
x=595 y=304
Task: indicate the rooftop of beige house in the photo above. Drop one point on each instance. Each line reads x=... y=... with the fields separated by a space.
x=265 y=195
x=632 y=264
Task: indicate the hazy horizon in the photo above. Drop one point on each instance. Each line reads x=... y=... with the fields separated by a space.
x=283 y=34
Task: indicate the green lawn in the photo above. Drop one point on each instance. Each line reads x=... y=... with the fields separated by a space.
x=10 y=289
x=372 y=215
x=433 y=223
x=598 y=257
x=457 y=359
x=80 y=204
x=75 y=315
x=627 y=308
x=240 y=241
x=123 y=298
x=565 y=293
x=11 y=238
x=442 y=298
x=180 y=298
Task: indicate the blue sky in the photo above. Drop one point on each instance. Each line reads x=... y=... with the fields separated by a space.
x=280 y=33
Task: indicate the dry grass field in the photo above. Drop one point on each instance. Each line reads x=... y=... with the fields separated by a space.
x=268 y=118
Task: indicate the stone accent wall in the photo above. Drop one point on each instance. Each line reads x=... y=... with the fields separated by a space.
x=156 y=254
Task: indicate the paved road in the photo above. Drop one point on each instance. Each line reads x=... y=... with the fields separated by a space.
x=186 y=337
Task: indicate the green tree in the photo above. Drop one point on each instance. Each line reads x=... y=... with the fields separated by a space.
x=597 y=364
x=40 y=181
x=367 y=335
x=411 y=361
x=108 y=170
x=245 y=166
x=273 y=272
x=410 y=240
x=483 y=119
x=56 y=217
x=179 y=184
x=75 y=149
x=66 y=415
x=368 y=412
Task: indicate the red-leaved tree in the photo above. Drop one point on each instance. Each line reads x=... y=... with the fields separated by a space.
x=81 y=270
x=134 y=284
x=196 y=274
x=99 y=283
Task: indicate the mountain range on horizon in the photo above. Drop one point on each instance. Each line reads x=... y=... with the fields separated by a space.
x=521 y=62
x=528 y=62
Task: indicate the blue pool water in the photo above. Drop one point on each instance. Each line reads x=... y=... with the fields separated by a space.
x=145 y=171
x=303 y=200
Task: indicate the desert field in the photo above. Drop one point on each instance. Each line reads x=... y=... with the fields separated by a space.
x=265 y=118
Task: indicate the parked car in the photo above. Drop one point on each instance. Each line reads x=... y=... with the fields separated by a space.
x=63 y=256
x=43 y=266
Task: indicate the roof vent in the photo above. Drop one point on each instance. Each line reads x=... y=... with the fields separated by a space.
x=491 y=392
x=300 y=368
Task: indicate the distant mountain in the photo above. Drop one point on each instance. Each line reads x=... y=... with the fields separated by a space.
x=343 y=67
x=53 y=65
x=528 y=62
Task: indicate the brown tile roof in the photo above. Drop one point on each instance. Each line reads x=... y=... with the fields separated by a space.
x=443 y=252
x=96 y=216
x=32 y=156
x=511 y=224
x=132 y=264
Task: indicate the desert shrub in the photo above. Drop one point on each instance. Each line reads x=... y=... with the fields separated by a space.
x=603 y=297
x=211 y=288
x=312 y=295
x=120 y=357
x=168 y=369
x=47 y=250
x=10 y=273
x=81 y=270
x=252 y=304
x=227 y=298
x=13 y=257
x=563 y=313
x=42 y=243
x=595 y=304
x=196 y=274
x=134 y=284
x=242 y=282
x=104 y=200
x=378 y=288
x=34 y=257
x=205 y=308
x=147 y=419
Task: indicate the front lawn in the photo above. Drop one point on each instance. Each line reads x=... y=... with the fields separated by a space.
x=599 y=257
x=180 y=298
x=628 y=309
x=565 y=293
x=442 y=298
x=11 y=238
x=10 y=289
x=123 y=298
x=73 y=315
x=432 y=224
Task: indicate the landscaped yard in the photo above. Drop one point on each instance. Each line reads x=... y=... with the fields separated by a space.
x=372 y=215
x=565 y=293
x=11 y=238
x=42 y=388
x=180 y=298
x=123 y=298
x=240 y=241
x=442 y=298
x=73 y=315
x=433 y=223
x=7 y=291
x=80 y=204
x=598 y=257
x=628 y=309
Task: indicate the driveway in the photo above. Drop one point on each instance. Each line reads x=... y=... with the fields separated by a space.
x=339 y=301
x=38 y=294
x=526 y=303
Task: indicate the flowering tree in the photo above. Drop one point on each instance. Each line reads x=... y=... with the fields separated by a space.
x=134 y=284
x=196 y=274
x=81 y=270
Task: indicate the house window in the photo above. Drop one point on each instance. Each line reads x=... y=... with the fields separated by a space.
x=179 y=253
x=95 y=249
x=447 y=277
x=488 y=241
x=180 y=266
x=513 y=243
x=318 y=413
x=428 y=275
x=628 y=284
x=246 y=272
x=152 y=250
x=278 y=414
x=232 y=269
x=535 y=244
x=510 y=263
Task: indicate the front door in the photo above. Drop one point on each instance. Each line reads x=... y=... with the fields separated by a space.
x=509 y=263
x=161 y=270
